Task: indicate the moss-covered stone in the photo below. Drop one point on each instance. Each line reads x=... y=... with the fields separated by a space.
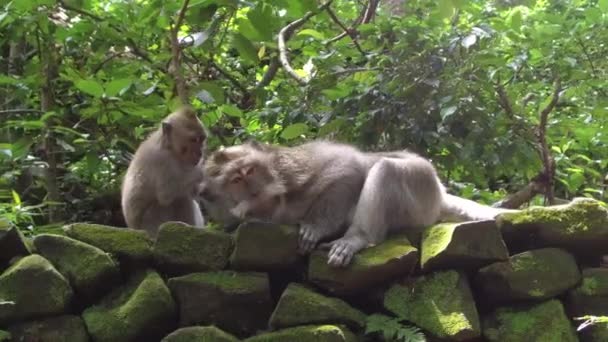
x=545 y=322
x=372 y=266
x=5 y=336
x=300 y=305
x=239 y=303
x=580 y=227
x=467 y=245
x=181 y=249
x=590 y=297
x=199 y=334
x=55 y=329
x=142 y=309
x=307 y=333
x=12 y=244
x=124 y=243
x=441 y=303
x=32 y=287
x=537 y=274
x=90 y=271
x=264 y=247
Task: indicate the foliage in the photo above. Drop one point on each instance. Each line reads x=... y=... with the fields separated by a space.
x=590 y=321
x=393 y=329
x=84 y=81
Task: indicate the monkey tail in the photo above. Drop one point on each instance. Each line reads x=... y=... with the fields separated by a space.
x=458 y=209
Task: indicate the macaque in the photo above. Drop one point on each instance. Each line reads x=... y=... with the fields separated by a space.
x=162 y=181
x=334 y=191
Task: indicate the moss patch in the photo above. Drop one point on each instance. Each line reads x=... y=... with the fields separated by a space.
x=536 y=274
x=300 y=305
x=89 y=269
x=56 y=329
x=237 y=302
x=307 y=333
x=372 y=266
x=12 y=244
x=203 y=334
x=545 y=322
x=35 y=288
x=181 y=249
x=265 y=247
x=440 y=303
x=142 y=309
x=124 y=243
x=580 y=226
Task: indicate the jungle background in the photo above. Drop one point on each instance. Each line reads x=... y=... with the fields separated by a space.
x=507 y=98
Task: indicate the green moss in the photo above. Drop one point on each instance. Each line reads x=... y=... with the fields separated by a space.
x=379 y=254
x=300 y=305
x=122 y=242
x=201 y=334
x=441 y=303
x=435 y=240
x=545 y=322
x=307 y=333
x=35 y=287
x=141 y=308
x=88 y=268
x=582 y=215
x=65 y=328
x=595 y=282
x=5 y=336
x=228 y=281
x=180 y=249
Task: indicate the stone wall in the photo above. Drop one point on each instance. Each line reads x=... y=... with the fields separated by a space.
x=521 y=278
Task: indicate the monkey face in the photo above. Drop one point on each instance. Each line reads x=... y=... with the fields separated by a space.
x=189 y=148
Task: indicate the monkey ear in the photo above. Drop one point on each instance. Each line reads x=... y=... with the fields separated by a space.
x=166 y=127
x=219 y=157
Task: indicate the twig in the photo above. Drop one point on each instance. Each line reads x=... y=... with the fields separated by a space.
x=590 y=60
x=503 y=100
x=364 y=17
x=175 y=69
x=273 y=67
x=286 y=33
x=548 y=162
x=228 y=76
x=20 y=111
x=348 y=31
x=106 y=60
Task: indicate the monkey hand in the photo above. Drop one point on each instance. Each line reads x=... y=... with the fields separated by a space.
x=341 y=251
x=309 y=237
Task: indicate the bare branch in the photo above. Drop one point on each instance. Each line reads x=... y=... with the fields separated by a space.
x=176 y=52
x=20 y=111
x=350 y=33
x=545 y=154
x=273 y=67
x=503 y=100
x=106 y=60
x=368 y=13
x=286 y=33
x=522 y=196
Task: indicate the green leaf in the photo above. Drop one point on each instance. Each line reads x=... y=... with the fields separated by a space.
x=603 y=5
x=313 y=33
x=261 y=18
x=448 y=111
x=245 y=48
x=213 y=90
x=16 y=197
x=232 y=111
x=515 y=19
x=90 y=87
x=446 y=8
x=114 y=87
x=293 y=131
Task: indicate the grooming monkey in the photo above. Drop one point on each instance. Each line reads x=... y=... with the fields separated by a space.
x=332 y=190
x=162 y=181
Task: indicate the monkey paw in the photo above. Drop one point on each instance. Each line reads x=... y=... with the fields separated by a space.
x=341 y=253
x=309 y=238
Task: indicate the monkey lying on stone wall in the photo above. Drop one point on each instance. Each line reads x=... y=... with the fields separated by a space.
x=328 y=188
x=162 y=181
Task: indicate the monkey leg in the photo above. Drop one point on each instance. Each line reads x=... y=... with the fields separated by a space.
x=396 y=193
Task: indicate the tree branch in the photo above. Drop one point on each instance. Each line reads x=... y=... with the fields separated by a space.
x=366 y=15
x=175 y=69
x=273 y=67
x=350 y=33
x=286 y=33
x=545 y=154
